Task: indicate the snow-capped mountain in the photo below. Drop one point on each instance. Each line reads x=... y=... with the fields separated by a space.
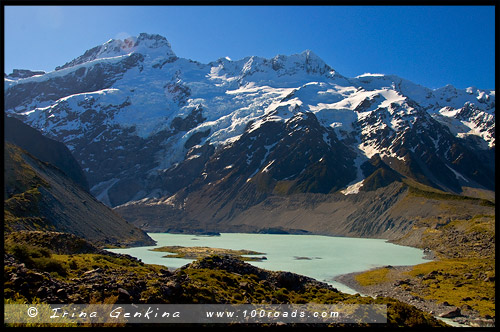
x=152 y=128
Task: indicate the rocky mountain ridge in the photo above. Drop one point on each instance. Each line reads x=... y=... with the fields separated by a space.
x=156 y=132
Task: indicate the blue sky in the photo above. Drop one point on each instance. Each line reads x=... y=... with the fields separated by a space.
x=429 y=45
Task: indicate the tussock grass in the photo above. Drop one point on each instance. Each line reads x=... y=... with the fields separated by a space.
x=459 y=282
x=373 y=277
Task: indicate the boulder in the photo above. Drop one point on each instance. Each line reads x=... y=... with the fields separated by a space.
x=452 y=313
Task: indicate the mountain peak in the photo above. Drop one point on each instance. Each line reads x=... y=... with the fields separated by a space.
x=311 y=55
x=153 y=41
x=312 y=63
x=144 y=43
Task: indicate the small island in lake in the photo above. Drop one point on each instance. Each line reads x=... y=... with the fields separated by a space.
x=299 y=258
x=200 y=252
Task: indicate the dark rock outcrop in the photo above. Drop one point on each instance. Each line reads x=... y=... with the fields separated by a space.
x=23 y=73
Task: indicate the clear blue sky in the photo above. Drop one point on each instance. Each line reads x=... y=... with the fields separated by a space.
x=429 y=45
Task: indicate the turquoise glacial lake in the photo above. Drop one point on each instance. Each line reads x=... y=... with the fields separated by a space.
x=319 y=257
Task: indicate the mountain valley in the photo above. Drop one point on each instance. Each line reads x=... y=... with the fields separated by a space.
x=129 y=138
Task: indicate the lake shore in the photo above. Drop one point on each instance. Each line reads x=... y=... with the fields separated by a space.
x=328 y=257
x=403 y=288
x=401 y=285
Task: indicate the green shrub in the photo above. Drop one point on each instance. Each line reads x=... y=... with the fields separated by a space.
x=50 y=265
x=37 y=258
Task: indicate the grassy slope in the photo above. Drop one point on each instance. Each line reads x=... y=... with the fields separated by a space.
x=462 y=237
x=38 y=196
x=22 y=193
